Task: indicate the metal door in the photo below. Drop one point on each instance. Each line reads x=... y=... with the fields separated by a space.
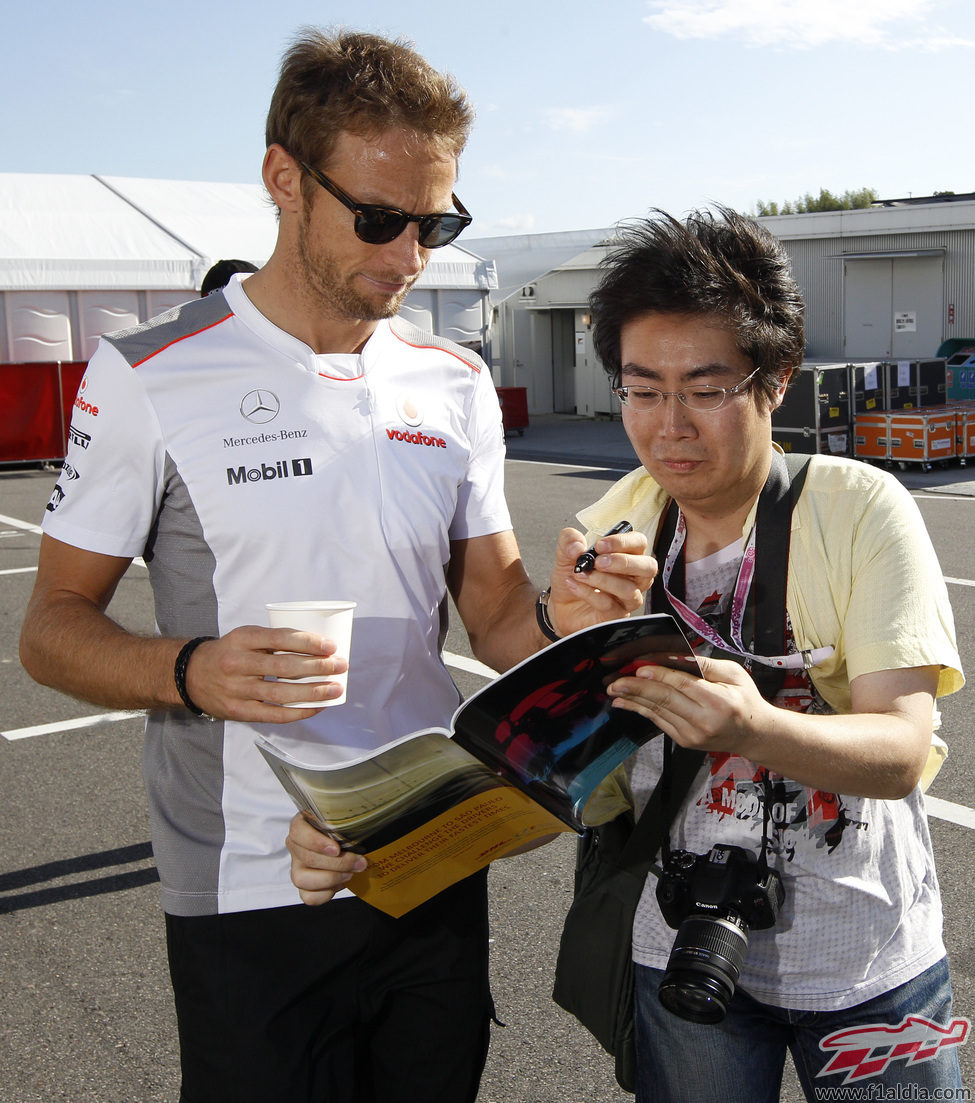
x=867 y=320
x=917 y=307
x=893 y=307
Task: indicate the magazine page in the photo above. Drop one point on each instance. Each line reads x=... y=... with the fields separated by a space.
x=548 y=726
x=423 y=811
x=527 y=754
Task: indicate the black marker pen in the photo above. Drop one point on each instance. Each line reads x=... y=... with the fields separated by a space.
x=587 y=561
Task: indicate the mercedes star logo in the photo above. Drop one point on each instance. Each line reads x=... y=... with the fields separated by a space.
x=260 y=407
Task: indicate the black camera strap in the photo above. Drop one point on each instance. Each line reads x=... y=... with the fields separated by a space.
x=763 y=628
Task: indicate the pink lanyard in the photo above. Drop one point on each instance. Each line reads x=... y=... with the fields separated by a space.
x=799 y=660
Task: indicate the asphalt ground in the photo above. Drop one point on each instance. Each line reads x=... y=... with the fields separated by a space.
x=86 y=1007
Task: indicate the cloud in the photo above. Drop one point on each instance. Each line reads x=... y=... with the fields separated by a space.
x=576 y=120
x=889 y=24
x=936 y=41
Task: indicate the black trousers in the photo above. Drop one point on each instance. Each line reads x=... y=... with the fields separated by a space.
x=334 y=1004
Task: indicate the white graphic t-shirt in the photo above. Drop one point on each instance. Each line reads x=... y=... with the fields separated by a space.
x=862 y=911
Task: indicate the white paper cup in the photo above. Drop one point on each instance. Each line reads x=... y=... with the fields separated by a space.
x=332 y=619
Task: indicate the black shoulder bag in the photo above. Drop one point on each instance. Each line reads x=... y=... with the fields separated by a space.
x=594 y=969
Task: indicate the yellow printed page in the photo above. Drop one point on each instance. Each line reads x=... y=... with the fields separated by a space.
x=449 y=847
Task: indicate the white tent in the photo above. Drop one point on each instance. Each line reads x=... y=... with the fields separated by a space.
x=82 y=255
x=73 y=233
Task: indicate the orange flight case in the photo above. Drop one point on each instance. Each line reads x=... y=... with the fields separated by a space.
x=922 y=436
x=907 y=436
x=964 y=411
x=871 y=435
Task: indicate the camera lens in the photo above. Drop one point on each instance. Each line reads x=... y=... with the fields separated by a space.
x=704 y=967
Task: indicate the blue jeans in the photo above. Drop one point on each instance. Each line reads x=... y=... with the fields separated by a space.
x=741 y=1059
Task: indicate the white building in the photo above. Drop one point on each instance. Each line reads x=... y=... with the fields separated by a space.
x=893 y=281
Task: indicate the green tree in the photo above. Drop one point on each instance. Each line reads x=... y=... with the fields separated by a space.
x=825 y=201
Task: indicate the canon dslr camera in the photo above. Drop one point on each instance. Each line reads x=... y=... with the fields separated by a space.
x=712 y=900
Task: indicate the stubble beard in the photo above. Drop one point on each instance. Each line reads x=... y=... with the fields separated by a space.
x=334 y=293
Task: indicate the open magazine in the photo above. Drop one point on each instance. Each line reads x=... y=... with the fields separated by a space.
x=523 y=760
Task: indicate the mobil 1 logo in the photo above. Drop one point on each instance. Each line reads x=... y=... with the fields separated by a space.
x=269 y=472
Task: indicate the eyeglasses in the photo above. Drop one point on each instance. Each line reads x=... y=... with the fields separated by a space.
x=702 y=399
x=379 y=225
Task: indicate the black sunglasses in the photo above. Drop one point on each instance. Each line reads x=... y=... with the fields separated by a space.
x=379 y=225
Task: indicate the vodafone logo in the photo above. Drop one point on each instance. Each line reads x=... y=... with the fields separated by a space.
x=412 y=415
x=81 y=403
x=416 y=438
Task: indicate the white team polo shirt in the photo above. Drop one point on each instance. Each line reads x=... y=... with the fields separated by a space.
x=247 y=469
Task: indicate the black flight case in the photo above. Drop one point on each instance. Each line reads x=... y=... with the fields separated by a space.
x=816 y=415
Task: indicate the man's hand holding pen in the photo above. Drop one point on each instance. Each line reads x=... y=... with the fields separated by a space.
x=598 y=583
x=586 y=563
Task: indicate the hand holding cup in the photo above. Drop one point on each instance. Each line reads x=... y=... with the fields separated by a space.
x=332 y=619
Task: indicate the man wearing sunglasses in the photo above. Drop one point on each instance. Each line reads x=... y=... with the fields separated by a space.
x=288 y=438
x=816 y=775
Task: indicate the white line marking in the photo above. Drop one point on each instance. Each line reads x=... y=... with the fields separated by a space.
x=947 y=810
x=25 y=525
x=572 y=466
x=930 y=496
x=960 y=581
x=472 y=666
x=18 y=570
x=68 y=725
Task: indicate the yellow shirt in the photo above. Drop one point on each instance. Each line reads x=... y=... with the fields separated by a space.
x=862 y=911
x=863 y=574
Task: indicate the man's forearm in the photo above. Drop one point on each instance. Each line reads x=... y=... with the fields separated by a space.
x=857 y=754
x=512 y=633
x=71 y=645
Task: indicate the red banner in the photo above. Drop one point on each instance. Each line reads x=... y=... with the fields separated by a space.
x=35 y=409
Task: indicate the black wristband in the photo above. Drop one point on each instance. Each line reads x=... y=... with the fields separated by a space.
x=179 y=673
x=544 y=620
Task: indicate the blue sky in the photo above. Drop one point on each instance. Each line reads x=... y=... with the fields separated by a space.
x=588 y=112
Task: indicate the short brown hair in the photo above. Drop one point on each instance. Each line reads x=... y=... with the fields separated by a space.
x=365 y=84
